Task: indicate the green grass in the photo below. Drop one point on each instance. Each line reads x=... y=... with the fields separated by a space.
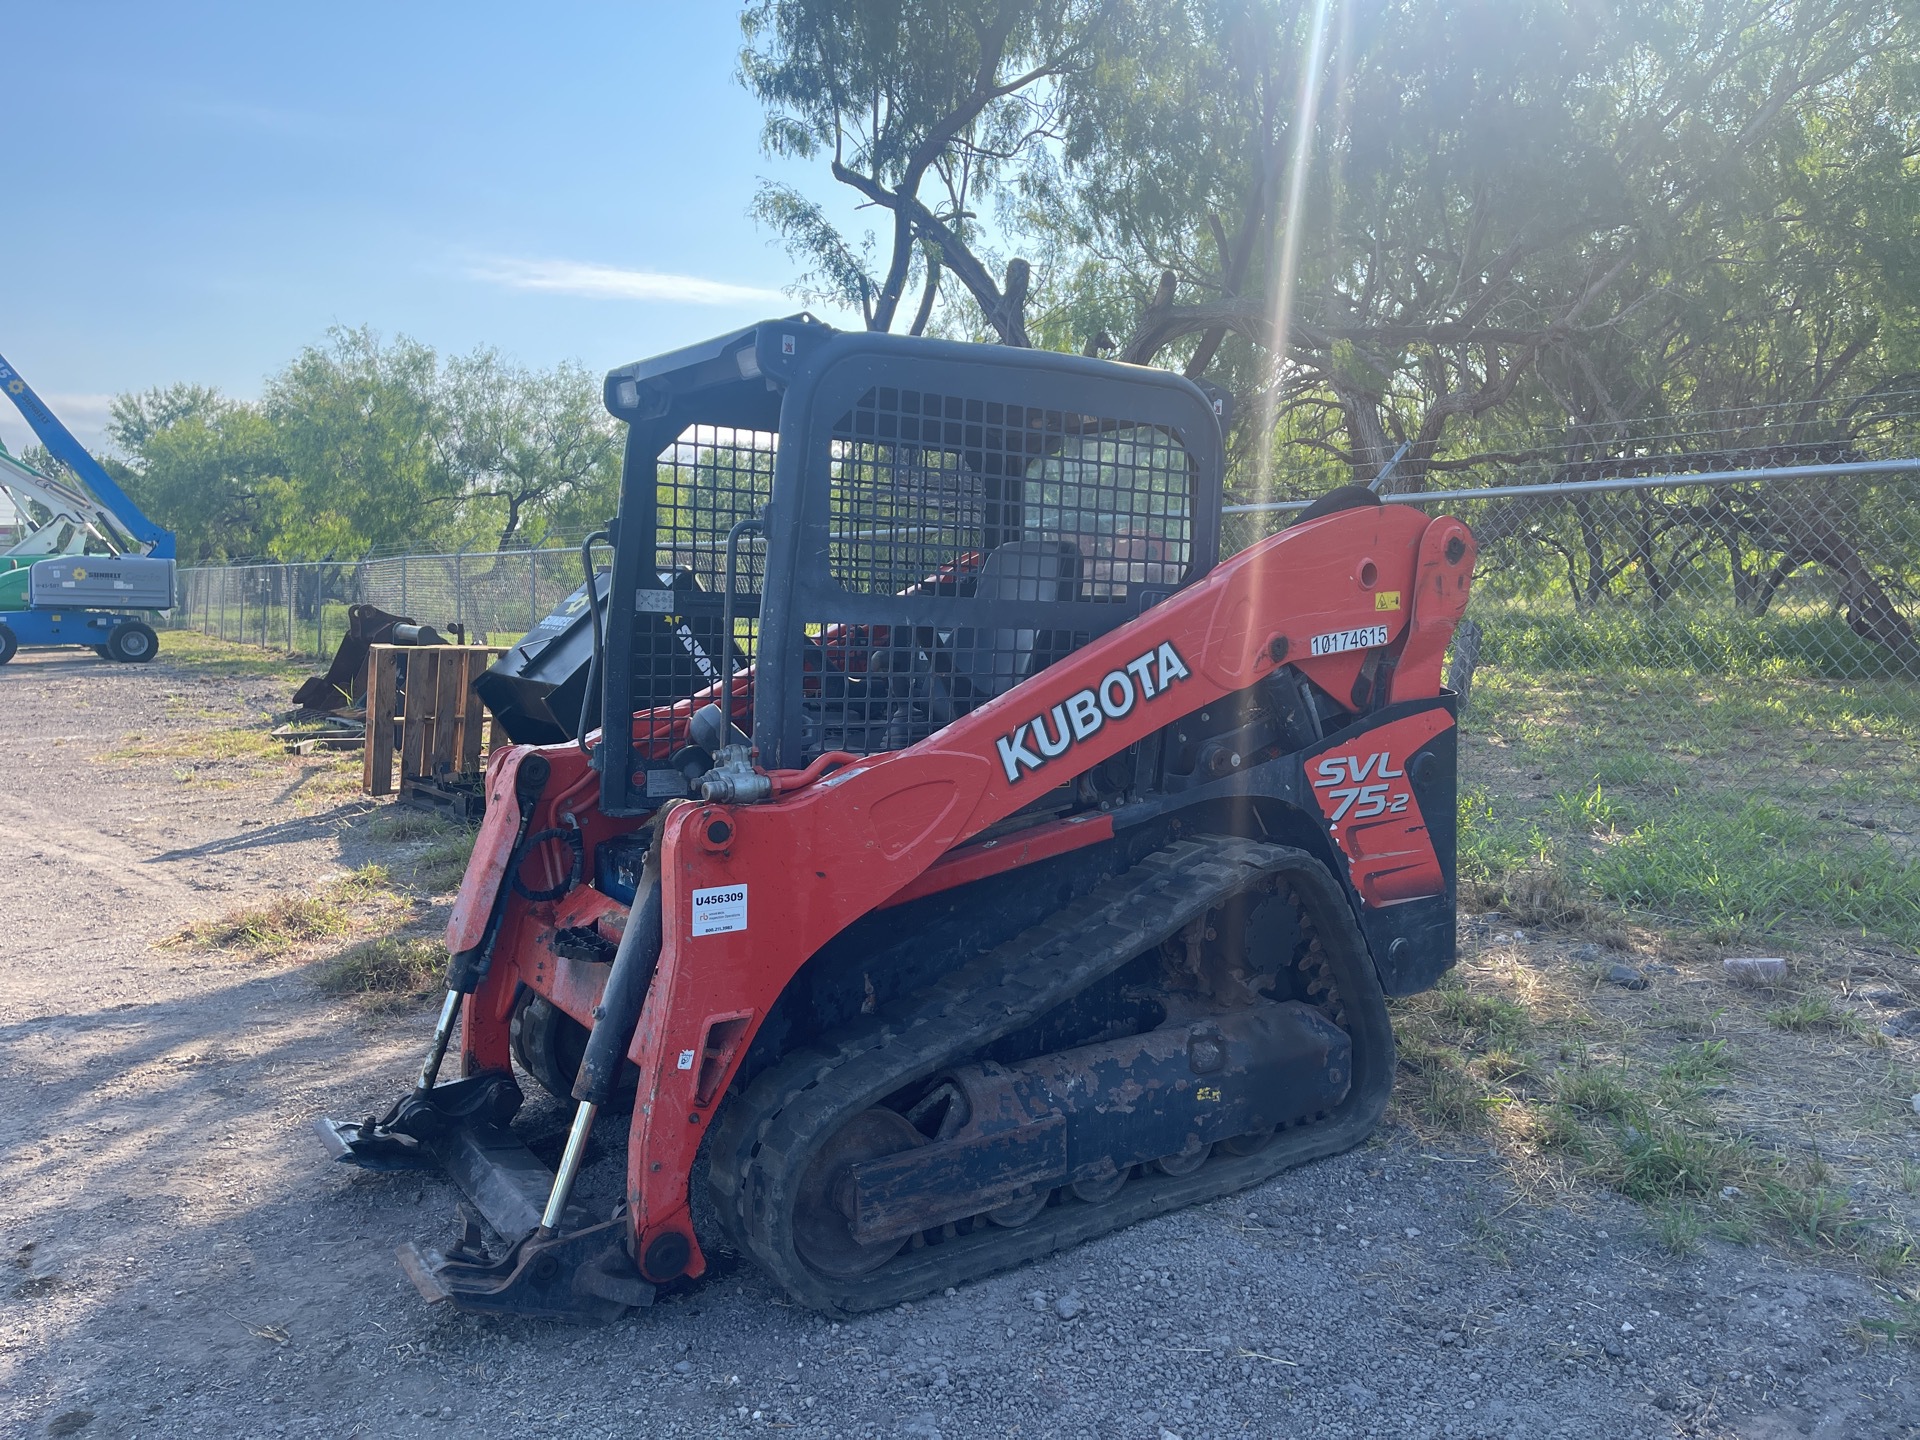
x=1808 y=642
x=404 y=822
x=1810 y=1213
x=388 y=969
x=1678 y=1228
x=1597 y=1091
x=438 y=866
x=1749 y=862
x=1692 y=1064
x=1480 y=1015
x=1902 y=1329
x=286 y=924
x=443 y=864
x=1436 y=1082
x=209 y=655
x=1719 y=799
x=1815 y=1011
x=240 y=741
x=272 y=929
x=1667 y=1163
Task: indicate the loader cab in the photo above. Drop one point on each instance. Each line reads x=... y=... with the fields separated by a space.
x=917 y=527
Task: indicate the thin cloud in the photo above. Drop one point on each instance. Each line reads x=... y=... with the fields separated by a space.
x=268 y=119
x=85 y=415
x=610 y=282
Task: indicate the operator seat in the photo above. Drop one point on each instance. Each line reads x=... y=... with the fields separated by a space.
x=1022 y=571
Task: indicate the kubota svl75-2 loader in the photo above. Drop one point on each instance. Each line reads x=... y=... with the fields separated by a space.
x=979 y=862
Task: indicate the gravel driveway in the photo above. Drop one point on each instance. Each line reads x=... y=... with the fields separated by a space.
x=183 y=1261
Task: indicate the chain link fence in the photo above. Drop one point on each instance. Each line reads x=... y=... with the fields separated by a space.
x=1811 y=574
x=494 y=597
x=1807 y=573
x=1769 y=545
x=1691 y=660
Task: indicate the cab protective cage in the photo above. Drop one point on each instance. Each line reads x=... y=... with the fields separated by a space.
x=907 y=528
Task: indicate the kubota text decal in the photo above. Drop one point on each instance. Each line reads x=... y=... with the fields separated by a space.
x=1081 y=715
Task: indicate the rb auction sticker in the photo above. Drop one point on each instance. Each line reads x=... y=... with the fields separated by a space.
x=719 y=910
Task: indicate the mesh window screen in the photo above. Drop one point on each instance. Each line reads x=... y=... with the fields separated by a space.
x=1123 y=498
x=922 y=482
x=992 y=530
x=708 y=479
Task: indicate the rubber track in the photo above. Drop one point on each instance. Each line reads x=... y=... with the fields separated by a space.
x=772 y=1130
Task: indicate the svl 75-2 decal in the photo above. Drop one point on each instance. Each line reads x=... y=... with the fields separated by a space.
x=1344 y=778
x=1372 y=813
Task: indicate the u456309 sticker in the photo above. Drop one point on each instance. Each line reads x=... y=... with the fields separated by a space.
x=719 y=909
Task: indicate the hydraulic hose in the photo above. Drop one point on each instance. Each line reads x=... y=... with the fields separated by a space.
x=467 y=969
x=618 y=1012
x=787 y=781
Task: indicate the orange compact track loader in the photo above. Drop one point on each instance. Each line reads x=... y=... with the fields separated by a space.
x=979 y=862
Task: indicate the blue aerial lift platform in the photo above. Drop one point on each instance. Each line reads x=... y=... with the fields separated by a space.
x=92 y=562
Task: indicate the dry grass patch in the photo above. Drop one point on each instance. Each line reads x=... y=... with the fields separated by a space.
x=403 y=822
x=269 y=930
x=290 y=922
x=441 y=866
x=430 y=851
x=208 y=655
x=386 y=972
x=223 y=740
x=1756 y=1115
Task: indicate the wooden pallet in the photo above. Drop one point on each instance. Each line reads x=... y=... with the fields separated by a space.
x=433 y=722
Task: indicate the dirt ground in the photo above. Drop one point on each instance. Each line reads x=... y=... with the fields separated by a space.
x=182 y=1260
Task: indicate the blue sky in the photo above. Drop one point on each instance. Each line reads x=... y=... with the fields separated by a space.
x=193 y=191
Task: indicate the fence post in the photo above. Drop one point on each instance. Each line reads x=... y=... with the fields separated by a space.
x=403 y=587
x=319 y=613
x=459 y=600
x=287 y=580
x=533 y=588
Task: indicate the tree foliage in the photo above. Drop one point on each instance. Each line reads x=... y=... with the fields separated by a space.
x=362 y=444
x=1476 y=237
x=924 y=108
x=1383 y=222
